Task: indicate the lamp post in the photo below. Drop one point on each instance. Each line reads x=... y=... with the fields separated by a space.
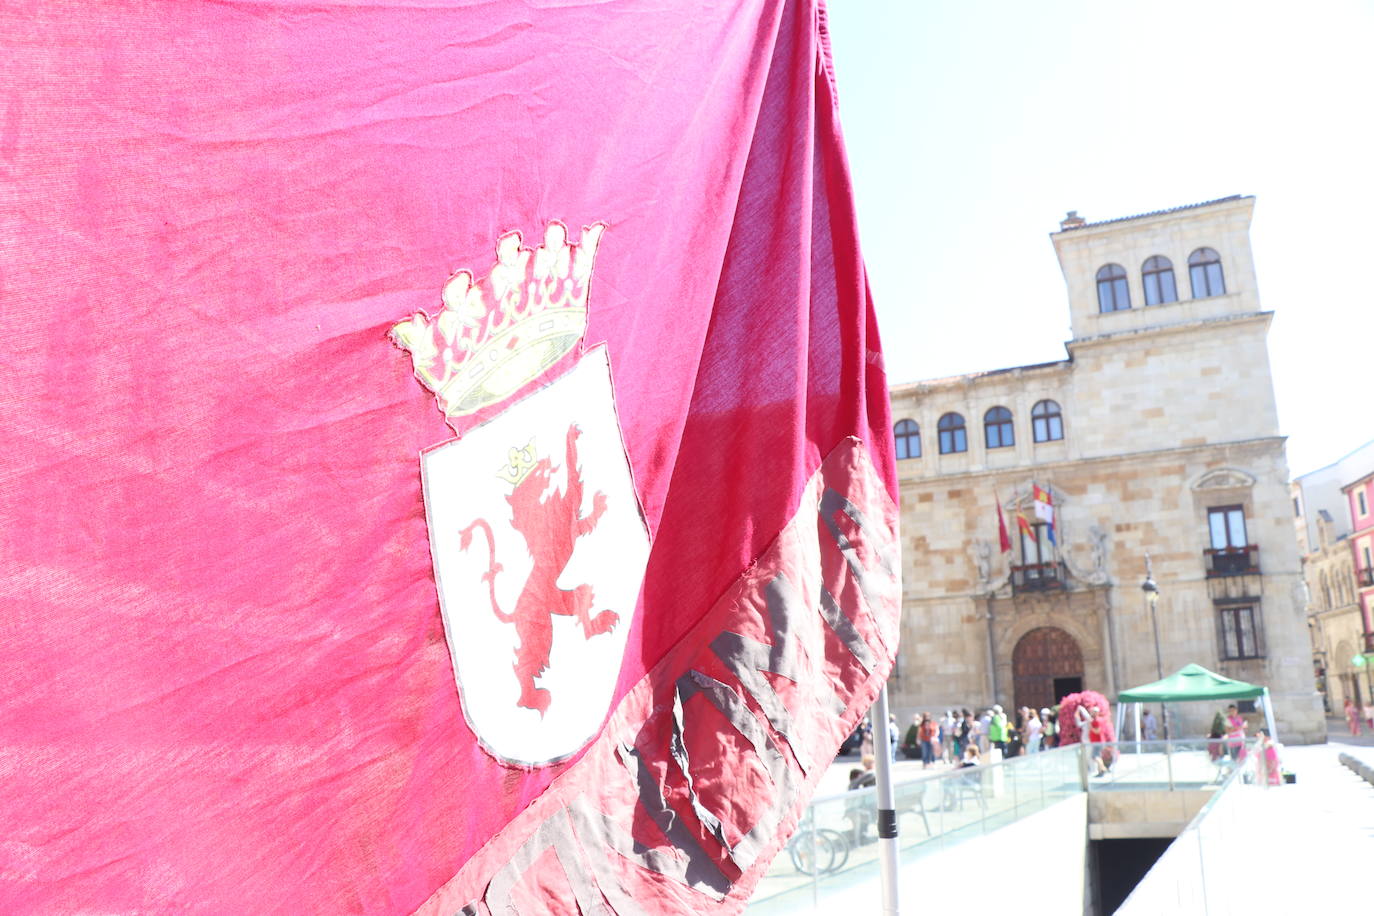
x=1151 y=591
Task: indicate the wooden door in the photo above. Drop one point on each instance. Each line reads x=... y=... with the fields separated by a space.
x=1042 y=655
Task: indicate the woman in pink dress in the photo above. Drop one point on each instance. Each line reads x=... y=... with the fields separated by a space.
x=1267 y=761
x=1235 y=733
x=1352 y=716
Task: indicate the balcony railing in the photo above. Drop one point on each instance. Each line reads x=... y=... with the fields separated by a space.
x=1232 y=561
x=1365 y=576
x=1038 y=577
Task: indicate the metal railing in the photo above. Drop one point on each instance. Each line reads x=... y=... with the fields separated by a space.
x=835 y=849
x=1213 y=842
x=1038 y=577
x=1232 y=561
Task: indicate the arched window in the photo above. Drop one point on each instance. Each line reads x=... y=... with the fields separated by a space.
x=1158 y=277
x=997 y=431
x=1047 y=422
x=1112 y=292
x=908 y=436
x=1326 y=592
x=953 y=436
x=1204 y=271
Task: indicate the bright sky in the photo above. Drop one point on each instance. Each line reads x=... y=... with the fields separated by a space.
x=972 y=127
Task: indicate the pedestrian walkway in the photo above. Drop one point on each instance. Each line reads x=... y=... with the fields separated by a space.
x=1320 y=831
x=1294 y=848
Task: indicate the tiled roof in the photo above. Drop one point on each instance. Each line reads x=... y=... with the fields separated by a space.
x=1122 y=219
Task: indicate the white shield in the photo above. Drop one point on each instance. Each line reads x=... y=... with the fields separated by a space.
x=538 y=581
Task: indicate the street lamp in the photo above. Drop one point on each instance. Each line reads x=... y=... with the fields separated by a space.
x=1151 y=591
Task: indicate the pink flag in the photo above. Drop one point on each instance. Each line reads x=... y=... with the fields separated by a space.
x=448 y=465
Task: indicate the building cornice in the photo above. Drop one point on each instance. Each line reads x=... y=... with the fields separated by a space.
x=971 y=378
x=1042 y=466
x=1082 y=343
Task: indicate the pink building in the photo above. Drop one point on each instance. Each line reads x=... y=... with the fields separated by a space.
x=1360 y=498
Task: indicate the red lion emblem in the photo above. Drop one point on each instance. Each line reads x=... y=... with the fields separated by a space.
x=550 y=526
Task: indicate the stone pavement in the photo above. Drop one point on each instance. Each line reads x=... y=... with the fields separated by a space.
x=1317 y=850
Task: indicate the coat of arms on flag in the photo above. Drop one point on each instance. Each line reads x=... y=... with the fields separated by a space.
x=535 y=530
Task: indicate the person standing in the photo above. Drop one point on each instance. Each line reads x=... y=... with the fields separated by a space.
x=997 y=729
x=1235 y=733
x=1368 y=713
x=947 y=737
x=1049 y=728
x=1096 y=735
x=1352 y=716
x=1149 y=725
x=893 y=736
x=1267 y=761
x=928 y=736
x=1034 y=727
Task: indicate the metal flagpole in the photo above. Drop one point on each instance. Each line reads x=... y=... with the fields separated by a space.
x=887 y=808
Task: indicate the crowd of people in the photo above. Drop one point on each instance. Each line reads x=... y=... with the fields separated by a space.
x=947 y=738
x=959 y=738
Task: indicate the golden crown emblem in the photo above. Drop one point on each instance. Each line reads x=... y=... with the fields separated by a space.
x=494 y=336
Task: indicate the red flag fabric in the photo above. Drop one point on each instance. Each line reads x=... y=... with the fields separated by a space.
x=281 y=636
x=1003 y=539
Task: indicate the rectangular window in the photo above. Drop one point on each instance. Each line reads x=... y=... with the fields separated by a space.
x=1230 y=553
x=1364 y=509
x=953 y=440
x=1297 y=509
x=1159 y=288
x=1207 y=280
x=1037 y=553
x=1227 y=525
x=1239 y=635
x=1048 y=429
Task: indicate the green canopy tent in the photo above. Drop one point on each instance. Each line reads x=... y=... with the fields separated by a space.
x=1194 y=683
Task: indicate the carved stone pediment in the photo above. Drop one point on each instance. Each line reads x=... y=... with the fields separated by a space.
x=1224 y=479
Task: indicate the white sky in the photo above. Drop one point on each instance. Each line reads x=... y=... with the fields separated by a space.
x=973 y=126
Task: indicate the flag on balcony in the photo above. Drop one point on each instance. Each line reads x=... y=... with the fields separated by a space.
x=1044 y=508
x=281 y=636
x=1003 y=539
x=1024 y=524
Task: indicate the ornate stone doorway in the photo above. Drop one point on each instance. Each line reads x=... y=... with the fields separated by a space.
x=1045 y=661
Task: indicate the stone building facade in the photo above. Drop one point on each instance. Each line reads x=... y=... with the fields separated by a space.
x=1340 y=620
x=1157 y=436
